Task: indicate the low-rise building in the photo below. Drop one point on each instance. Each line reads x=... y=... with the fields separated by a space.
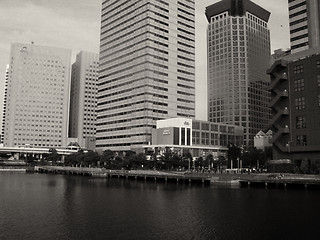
x=199 y=138
x=295 y=104
x=263 y=140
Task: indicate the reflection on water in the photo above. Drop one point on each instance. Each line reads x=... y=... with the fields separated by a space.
x=35 y=206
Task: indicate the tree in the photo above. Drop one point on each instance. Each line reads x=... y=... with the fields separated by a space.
x=53 y=156
x=209 y=161
x=222 y=162
x=234 y=153
x=90 y=158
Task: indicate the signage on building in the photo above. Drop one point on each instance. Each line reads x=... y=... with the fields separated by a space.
x=166 y=132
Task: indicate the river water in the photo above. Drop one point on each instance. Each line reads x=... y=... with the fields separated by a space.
x=41 y=206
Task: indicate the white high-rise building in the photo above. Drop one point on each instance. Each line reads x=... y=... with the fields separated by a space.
x=4 y=103
x=146 y=69
x=83 y=99
x=238 y=56
x=37 y=106
x=304 y=21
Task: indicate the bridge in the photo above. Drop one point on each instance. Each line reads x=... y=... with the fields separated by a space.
x=34 y=151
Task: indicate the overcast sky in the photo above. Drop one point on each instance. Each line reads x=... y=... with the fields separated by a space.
x=75 y=24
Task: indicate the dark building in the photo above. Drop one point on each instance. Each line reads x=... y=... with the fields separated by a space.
x=238 y=56
x=295 y=93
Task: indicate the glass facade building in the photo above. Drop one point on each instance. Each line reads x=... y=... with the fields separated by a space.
x=238 y=55
x=146 y=69
x=200 y=138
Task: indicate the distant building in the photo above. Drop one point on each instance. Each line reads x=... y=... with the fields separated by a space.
x=304 y=21
x=83 y=99
x=295 y=91
x=263 y=140
x=4 y=104
x=238 y=56
x=146 y=69
x=37 y=107
x=200 y=138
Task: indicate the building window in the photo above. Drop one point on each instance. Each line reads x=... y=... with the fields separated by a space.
x=300 y=122
x=319 y=100
x=318 y=80
x=298 y=69
x=299 y=85
x=301 y=140
x=300 y=103
x=318 y=64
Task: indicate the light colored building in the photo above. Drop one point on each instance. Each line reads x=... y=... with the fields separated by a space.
x=37 y=106
x=83 y=99
x=4 y=104
x=200 y=138
x=238 y=55
x=146 y=69
x=304 y=21
x=263 y=140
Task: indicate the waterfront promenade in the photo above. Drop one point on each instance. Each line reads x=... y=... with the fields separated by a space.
x=267 y=180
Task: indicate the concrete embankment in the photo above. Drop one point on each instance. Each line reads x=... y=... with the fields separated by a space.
x=267 y=180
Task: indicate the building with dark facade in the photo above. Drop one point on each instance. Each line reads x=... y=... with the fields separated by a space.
x=295 y=87
x=238 y=55
x=295 y=90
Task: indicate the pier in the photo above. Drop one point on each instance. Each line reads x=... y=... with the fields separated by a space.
x=260 y=180
x=282 y=181
x=146 y=175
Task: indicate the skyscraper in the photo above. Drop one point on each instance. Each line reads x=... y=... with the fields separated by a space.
x=238 y=56
x=304 y=21
x=83 y=101
x=146 y=69
x=4 y=103
x=37 y=106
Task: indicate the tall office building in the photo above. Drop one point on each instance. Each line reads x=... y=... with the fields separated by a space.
x=83 y=99
x=37 y=106
x=304 y=21
x=4 y=103
x=146 y=69
x=238 y=56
